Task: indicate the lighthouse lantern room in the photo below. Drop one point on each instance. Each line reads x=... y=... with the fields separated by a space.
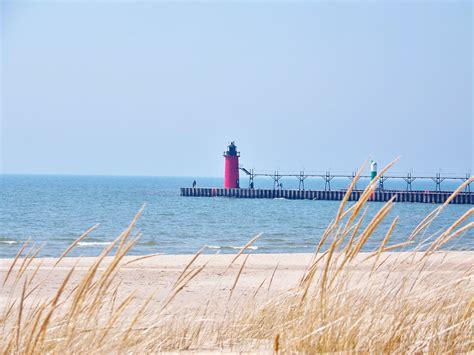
x=231 y=173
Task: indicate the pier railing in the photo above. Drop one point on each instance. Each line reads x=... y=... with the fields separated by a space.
x=327 y=177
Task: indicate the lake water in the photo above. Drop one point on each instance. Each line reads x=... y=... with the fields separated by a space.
x=55 y=210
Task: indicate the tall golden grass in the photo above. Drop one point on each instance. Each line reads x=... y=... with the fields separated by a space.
x=397 y=305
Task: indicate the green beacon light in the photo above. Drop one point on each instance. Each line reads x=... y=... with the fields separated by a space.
x=373 y=170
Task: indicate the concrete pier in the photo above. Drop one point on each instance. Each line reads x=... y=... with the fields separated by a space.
x=333 y=195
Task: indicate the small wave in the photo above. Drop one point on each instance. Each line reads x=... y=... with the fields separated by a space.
x=148 y=244
x=252 y=247
x=279 y=198
x=93 y=244
x=296 y=246
x=9 y=242
x=275 y=240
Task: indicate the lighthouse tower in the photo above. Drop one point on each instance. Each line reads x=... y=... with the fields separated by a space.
x=231 y=174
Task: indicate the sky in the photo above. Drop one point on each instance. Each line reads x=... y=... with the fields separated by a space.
x=157 y=88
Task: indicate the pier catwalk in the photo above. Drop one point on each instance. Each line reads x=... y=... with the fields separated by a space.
x=232 y=185
x=465 y=197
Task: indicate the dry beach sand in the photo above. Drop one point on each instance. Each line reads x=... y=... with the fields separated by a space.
x=157 y=274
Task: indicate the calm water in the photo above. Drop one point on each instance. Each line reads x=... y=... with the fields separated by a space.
x=55 y=210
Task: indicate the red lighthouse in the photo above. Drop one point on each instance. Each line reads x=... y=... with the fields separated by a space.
x=231 y=175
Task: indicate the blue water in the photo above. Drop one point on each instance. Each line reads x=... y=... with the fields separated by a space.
x=55 y=210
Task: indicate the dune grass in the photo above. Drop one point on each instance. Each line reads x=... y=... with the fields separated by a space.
x=399 y=305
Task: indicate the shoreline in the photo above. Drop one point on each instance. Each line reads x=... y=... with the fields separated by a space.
x=174 y=258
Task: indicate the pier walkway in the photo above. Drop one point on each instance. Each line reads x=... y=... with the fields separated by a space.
x=465 y=197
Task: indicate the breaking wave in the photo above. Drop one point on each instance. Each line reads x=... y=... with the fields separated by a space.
x=252 y=247
x=9 y=242
x=93 y=244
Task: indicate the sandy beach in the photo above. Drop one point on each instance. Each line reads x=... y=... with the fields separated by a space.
x=169 y=302
x=157 y=274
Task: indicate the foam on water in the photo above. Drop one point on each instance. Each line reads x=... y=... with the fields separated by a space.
x=7 y=240
x=252 y=247
x=93 y=244
x=11 y=242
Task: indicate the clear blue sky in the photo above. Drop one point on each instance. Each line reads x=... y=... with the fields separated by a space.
x=160 y=89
